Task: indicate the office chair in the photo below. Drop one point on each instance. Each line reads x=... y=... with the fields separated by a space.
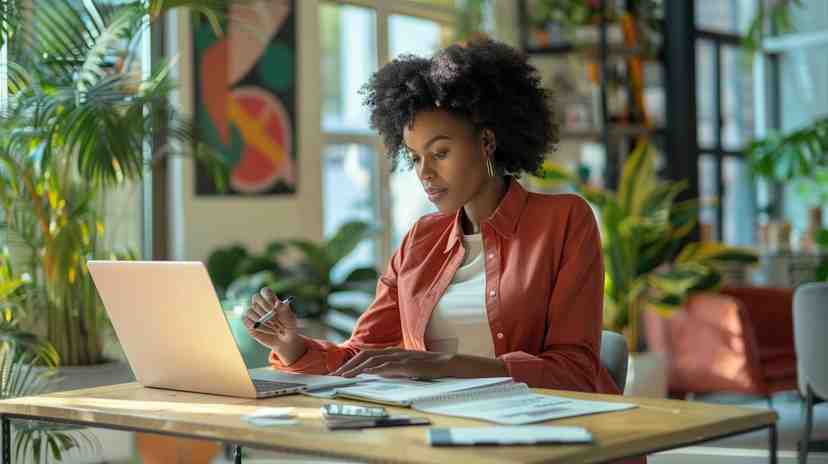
x=614 y=357
x=810 y=325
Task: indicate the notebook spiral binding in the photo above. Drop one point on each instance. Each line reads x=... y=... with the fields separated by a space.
x=476 y=394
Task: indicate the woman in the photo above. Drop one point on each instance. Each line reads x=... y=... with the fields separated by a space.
x=500 y=282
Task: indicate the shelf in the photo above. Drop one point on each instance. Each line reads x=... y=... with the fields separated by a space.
x=629 y=130
x=616 y=130
x=581 y=134
x=592 y=50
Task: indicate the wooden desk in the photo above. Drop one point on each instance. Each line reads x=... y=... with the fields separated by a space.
x=656 y=425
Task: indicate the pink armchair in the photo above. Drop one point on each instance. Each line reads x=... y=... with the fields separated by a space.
x=770 y=311
x=739 y=340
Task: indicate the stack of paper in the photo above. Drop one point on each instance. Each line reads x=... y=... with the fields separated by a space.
x=495 y=399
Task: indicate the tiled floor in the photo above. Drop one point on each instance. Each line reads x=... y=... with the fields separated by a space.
x=752 y=448
x=788 y=406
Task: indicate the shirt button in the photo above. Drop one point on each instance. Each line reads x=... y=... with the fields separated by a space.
x=491 y=255
x=492 y=293
x=500 y=335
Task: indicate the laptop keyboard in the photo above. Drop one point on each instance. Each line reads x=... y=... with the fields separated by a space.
x=272 y=386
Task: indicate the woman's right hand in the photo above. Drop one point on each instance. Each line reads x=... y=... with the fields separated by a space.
x=279 y=333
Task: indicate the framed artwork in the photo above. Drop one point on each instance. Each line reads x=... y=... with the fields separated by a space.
x=245 y=97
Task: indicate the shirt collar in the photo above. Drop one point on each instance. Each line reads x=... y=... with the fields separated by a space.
x=504 y=219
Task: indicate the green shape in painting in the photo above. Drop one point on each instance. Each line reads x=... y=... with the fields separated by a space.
x=275 y=67
x=230 y=152
x=233 y=151
x=203 y=37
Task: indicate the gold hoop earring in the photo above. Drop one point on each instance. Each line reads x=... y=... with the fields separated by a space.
x=490 y=167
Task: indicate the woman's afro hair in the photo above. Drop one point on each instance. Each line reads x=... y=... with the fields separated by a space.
x=488 y=82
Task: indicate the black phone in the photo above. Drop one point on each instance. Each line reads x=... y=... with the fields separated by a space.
x=390 y=421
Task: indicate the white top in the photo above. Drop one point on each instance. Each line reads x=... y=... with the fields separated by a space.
x=459 y=323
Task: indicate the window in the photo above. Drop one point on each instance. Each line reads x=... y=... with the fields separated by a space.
x=803 y=99
x=791 y=95
x=726 y=16
x=725 y=120
x=349 y=56
x=355 y=39
x=348 y=175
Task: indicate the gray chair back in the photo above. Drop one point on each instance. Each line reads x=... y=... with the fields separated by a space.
x=614 y=357
x=810 y=320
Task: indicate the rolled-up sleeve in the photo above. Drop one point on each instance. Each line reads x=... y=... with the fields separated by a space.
x=569 y=359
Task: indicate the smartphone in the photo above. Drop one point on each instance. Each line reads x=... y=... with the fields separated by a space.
x=350 y=411
x=364 y=423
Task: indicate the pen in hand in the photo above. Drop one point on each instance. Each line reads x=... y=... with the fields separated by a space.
x=269 y=315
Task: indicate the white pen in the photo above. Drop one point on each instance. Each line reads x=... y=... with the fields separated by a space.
x=269 y=315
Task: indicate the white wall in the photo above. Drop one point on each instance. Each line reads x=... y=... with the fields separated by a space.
x=200 y=224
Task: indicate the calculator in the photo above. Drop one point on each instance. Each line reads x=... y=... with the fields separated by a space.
x=349 y=411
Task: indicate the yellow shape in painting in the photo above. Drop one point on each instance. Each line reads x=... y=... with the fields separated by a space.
x=254 y=132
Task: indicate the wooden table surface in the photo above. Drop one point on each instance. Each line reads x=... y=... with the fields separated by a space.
x=657 y=424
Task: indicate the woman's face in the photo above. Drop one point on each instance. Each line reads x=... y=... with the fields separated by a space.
x=447 y=154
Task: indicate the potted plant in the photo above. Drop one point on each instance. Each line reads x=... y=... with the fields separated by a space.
x=556 y=21
x=800 y=159
x=311 y=279
x=78 y=119
x=21 y=354
x=648 y=260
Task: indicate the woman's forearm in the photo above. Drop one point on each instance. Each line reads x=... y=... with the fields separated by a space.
x=468 y=366
x=289 y=352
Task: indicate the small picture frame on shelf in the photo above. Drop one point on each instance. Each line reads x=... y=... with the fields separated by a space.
x=576 y=106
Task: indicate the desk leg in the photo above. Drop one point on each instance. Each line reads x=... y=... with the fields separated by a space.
x=773 y=443
x=6 y=440
x=237 y=454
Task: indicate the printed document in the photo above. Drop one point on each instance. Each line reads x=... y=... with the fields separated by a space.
x=494 y=399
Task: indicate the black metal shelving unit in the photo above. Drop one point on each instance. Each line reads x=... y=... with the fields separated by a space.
x=678 y=138
x=610 y=133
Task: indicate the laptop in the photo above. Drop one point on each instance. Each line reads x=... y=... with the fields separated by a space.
x=173 y=331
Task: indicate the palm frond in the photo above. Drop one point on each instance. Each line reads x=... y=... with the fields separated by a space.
x=36 y=441
x=11 y=18
x=214 y=11
x=123 y=26
x=19 y=376
x=77 y=124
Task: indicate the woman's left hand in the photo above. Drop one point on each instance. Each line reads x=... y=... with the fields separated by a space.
x=396 y=362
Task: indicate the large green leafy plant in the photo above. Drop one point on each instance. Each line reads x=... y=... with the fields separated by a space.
x=78 y=122
x=648 y=259
x=27 y=365
x=311 y=279
x=798 y=159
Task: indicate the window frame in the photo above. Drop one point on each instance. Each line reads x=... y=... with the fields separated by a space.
x=383 y=10
x=719 y=42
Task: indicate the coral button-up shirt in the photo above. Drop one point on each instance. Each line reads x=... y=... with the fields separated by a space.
x=543 y=294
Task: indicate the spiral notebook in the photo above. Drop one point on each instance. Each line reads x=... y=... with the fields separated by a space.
x=405 y=392
x=497 y=399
